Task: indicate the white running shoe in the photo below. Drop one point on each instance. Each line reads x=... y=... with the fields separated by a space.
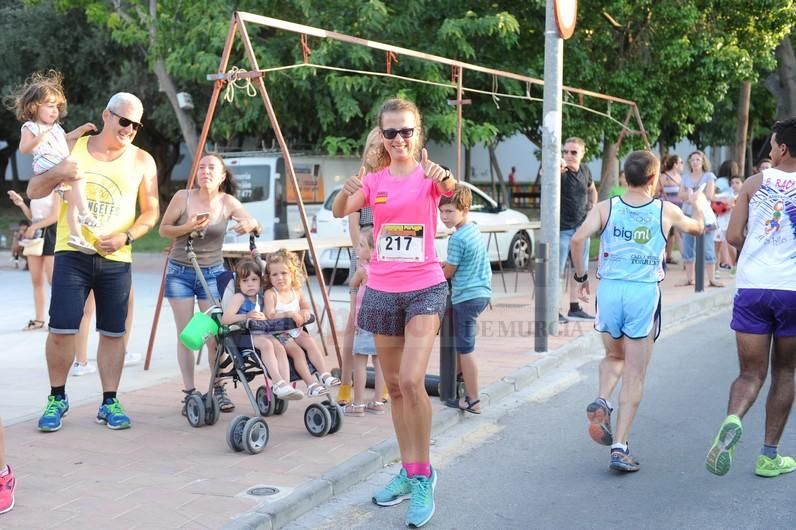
x=131 y=359
x=83 y=369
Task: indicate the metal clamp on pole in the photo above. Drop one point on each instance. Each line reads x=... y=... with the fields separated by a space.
x=699 y=264
x=447 y=355
x=540 y=262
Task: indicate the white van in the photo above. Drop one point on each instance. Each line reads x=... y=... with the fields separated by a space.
x=265 y=190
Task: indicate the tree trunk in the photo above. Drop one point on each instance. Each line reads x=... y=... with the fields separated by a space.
x=166 y=84
x=493 y=163
x=610 y=169
x=782 y=81
x=187 y=125
x=742 y=126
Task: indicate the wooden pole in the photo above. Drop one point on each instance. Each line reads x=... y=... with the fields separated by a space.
x=222 y=67
x=260 y=84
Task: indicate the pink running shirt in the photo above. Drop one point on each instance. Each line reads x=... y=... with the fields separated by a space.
x=410 y=201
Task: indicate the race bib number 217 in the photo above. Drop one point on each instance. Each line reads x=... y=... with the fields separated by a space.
x=401 y=242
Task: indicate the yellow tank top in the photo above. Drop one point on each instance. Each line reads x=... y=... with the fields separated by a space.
x=111 y=194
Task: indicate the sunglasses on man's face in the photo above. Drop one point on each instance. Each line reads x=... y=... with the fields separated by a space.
x=406 y=132
x=124 y=122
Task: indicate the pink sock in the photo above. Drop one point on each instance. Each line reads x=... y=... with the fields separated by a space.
x=423 y=468
x=412 y=469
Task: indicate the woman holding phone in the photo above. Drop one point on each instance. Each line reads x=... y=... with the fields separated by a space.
x=205 y=210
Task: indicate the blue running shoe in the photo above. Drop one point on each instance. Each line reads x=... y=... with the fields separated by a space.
x=421 y=507
x=54 y=412
x=112 y=414
x=599 y=416
x=397 y=490
x=623 y=461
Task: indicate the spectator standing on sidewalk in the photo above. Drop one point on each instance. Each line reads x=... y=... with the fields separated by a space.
x=7 y=481
x=669 y=189
x=467 y=266
x=406 y=291
x=372 y=160
x=203 y=211
x=632 y=232
x=764 y=310
x=700 y=175
x=578 y=195
x=118 y=176
x=364 y=343
x=42 y=214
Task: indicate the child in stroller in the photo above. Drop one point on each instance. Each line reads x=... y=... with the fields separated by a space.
x=247 y=304
x=284 y=299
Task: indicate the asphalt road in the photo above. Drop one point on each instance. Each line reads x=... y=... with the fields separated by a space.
x=531 y=464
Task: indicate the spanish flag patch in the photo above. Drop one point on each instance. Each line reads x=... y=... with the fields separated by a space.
x=381 y=198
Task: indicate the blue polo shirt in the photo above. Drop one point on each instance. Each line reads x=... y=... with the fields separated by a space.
x=473 y=276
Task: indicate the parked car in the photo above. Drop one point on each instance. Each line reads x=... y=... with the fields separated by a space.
x=515 y=246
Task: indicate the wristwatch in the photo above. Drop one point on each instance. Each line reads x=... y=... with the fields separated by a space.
x=581 y=279
x=447 y=176
x=130 y=238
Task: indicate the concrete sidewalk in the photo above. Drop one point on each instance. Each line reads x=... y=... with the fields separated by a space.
x=164 y=474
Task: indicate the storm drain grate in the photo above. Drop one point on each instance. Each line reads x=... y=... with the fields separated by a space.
x=262 y=491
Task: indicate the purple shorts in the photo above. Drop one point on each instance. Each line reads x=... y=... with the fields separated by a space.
x=764 y=312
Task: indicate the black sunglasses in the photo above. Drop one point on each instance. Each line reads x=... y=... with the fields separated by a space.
x=406 y=132
x=573 y=153
x=124 y=122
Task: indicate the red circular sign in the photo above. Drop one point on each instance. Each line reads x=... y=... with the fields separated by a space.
x=566 y=17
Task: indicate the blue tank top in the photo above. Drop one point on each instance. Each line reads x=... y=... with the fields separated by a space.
x=632 y=244
x=248 y=306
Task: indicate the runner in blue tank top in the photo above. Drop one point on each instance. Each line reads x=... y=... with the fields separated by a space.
x=632 y=232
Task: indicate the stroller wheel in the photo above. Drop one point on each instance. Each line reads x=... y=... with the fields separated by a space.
x=255 y=435
x=337 y=413
x=280 y=407
x=317 y=420
x=195 y=410
x=212 y=409
x=235 y=433
x=264 y=405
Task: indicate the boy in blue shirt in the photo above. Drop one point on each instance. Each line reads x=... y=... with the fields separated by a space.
x=468 y=266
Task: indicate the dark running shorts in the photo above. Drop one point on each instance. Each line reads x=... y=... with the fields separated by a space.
x=385 y=313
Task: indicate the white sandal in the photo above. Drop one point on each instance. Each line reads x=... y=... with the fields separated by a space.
x=317 y=389
x=330 y=380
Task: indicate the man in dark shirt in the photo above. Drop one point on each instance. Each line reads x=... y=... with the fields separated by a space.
x=578 y=195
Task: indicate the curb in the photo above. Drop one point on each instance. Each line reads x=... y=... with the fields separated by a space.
x=275 y=515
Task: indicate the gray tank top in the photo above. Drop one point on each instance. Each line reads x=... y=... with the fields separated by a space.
x=207 y=249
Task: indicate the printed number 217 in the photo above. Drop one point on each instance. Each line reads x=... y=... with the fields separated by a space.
x=397 y=241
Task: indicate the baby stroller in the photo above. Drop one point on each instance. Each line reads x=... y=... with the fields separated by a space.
x=242 y=363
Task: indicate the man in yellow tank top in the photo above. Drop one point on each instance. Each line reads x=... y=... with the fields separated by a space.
x=117 y=175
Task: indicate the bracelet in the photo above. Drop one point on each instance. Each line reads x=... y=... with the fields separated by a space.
x=581 y=279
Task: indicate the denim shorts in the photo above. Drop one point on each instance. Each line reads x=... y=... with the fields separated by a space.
x=182 y=282
x=689 y=247
x=764 y=312
x=384 y=313
x=74 y=275
x=564 y=240
x=364 y=343
x=465 y=323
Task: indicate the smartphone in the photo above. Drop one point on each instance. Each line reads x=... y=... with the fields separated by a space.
x=203 y=216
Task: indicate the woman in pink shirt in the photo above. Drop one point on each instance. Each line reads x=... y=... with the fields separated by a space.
x=406 y=291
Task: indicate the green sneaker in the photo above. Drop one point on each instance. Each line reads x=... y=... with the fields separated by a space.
x=397 y=490
x=719 y=457
x=421 y=507
x=774 y=467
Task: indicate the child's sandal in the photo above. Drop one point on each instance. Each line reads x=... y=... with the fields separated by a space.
x=330 y=380
x=316 y=389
